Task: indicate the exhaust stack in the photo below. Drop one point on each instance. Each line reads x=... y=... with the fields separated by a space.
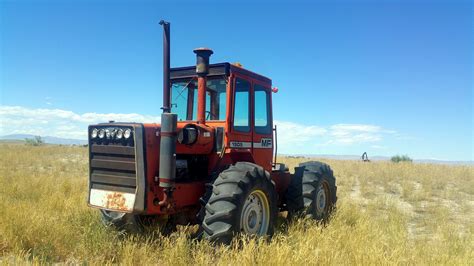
x=166 y=67
x=202 y=69
x=168 y=127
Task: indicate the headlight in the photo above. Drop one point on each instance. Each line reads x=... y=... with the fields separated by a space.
x=101 y=133
x=108 y=133
x=127 y=133
x=119 y=133
x=94 y=133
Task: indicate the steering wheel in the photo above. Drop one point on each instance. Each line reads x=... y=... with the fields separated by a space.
x=208 y=114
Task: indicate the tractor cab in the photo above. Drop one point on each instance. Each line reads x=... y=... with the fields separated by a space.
x=237 y=105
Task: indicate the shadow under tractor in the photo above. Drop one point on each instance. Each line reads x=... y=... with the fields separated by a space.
x=211 y=160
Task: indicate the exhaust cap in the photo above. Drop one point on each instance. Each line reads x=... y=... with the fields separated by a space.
x=202 y=60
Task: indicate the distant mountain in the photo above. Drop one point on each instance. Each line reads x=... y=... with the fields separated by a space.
x=46 y=139
x=339 y=157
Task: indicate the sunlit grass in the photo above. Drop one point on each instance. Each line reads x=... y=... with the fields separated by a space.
x=387 y=213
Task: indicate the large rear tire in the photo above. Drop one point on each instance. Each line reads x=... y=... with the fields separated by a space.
x=294 y=195
x=319 y=190
x=243 y=200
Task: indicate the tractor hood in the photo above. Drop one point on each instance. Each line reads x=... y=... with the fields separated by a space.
x=125 y=156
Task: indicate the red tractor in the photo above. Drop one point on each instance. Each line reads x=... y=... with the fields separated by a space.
x=211 y=161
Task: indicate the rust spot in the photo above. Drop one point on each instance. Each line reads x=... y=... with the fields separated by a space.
x=116 y=201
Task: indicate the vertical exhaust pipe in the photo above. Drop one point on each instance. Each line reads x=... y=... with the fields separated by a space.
x=202 y=69
x=166 y=67
x=168 y=127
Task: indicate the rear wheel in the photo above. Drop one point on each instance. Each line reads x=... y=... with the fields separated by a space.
x=243 y=200
x=294 y=196
x=319 y=190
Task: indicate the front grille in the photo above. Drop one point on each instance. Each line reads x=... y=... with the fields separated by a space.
x=118 y=164
x=113 y=167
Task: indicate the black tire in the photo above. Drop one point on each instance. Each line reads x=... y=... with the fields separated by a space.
x=319 y=190
x=130 y=223
x=202 y=211
x=232 y=192
x=294 y=196
x=135 y=224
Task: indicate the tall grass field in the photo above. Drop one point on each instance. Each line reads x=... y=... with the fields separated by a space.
x=387 y=213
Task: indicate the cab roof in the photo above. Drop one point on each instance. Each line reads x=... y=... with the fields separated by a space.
x=220 y=69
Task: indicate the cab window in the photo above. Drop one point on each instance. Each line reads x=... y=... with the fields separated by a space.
x=241 y=105
x=185 y=101
x=262 y=110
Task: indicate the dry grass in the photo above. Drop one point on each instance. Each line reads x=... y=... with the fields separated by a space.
x=387 y=214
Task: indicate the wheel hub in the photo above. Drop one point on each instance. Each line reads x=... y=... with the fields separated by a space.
x=255 y=215
x=321 y=199
x=252 y=221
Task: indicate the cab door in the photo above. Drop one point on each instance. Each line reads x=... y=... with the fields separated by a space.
x=239 y=138
x=262 y=126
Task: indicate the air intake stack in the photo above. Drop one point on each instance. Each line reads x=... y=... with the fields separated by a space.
x=202 y=69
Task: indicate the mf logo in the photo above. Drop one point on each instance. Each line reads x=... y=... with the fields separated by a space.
x=266 y=142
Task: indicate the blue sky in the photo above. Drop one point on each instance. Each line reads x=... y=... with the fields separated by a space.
x=386 y=77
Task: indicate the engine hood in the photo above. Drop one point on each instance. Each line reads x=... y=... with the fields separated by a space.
x=205 y=136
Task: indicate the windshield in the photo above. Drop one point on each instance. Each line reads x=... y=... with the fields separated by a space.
x=184 y=99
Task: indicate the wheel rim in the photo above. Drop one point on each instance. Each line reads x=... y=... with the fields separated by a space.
x=255 y=215
x=322 y=199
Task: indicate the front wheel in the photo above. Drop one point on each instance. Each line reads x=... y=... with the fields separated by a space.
x=128 y=222
x=134 y=223
x=255 y=215
x=243 y=200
